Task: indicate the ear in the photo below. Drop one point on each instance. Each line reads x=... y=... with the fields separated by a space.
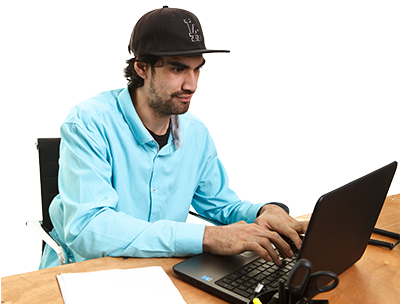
x=141 y=69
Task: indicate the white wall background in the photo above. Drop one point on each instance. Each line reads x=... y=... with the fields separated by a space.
x=306 y=101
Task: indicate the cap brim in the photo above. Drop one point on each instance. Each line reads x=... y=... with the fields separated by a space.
x=186 y=53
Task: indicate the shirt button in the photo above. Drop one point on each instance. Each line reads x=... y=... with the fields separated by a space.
x=154 y=190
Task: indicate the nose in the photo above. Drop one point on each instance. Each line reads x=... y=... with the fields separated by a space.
x=190 y=82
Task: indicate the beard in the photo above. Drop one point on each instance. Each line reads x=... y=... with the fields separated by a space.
x=166 y=105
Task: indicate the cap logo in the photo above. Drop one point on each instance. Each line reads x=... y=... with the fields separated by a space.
x=194 y=32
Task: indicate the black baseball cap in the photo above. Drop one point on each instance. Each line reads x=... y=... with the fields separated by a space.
x=168 y=32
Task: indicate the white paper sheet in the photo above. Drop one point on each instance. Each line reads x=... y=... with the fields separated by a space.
x=138 y=285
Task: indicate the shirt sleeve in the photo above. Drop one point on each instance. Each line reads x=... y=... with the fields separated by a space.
x=85 y=216
x=215 y=200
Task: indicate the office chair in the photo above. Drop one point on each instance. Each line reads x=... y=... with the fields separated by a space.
x=48 y=149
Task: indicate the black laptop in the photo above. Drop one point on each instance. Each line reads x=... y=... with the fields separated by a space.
x=337 y=236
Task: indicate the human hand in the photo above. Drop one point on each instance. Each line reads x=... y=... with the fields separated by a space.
x=274 y=218
x=239 y=237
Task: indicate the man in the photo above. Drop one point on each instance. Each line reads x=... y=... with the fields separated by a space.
x=132 y=163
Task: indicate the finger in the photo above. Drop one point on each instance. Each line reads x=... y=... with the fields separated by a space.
x=293 y=230
x=304 y=226
x=272 y=237
x=259 y=250
x=295 y=237
x=301 y=228
x=266 y=251
x=272 y=252
x=281 y=245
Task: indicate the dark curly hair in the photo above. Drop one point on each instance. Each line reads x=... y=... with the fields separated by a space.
x=134 y=80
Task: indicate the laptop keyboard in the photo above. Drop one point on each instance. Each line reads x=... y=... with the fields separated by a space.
x=245 y=280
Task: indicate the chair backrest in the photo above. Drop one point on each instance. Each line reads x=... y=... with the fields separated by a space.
x=49 y=152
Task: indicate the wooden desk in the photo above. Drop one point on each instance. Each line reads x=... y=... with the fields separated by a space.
x=373 y=279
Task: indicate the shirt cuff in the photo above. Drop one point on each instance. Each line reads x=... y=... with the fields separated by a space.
x=283 y=206
x=189 y=239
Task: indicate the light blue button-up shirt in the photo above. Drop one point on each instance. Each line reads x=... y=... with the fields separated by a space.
x=122 y=196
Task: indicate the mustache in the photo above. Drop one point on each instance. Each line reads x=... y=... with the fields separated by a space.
x=184 y=92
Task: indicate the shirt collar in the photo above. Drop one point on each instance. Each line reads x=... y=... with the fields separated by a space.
x=176 y=131
x=138 y=129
